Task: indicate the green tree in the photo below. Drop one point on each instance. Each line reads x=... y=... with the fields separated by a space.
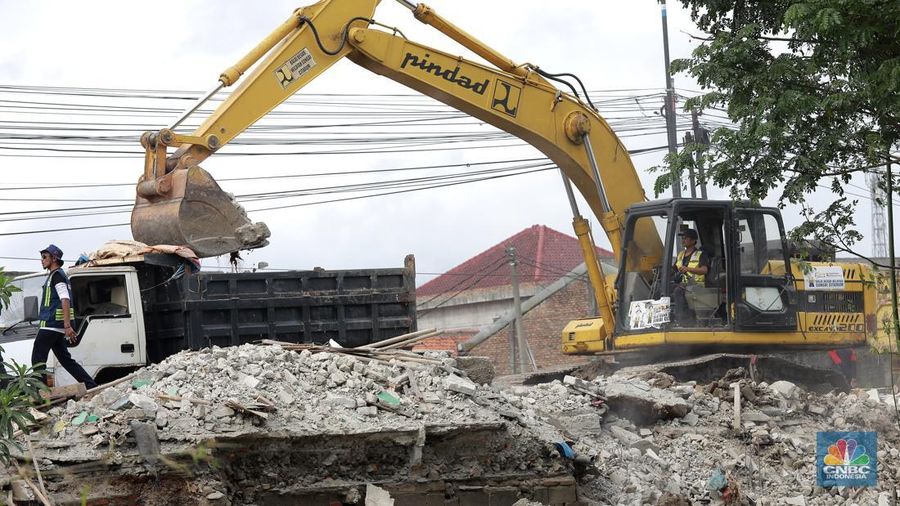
x=813 y=90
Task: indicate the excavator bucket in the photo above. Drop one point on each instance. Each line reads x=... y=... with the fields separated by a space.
x=188 y=208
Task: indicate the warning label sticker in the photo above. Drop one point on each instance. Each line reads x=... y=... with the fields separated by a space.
x=644 y=314
x=294 y=68
x=824 y=278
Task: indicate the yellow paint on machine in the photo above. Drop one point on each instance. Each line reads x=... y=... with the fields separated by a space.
x=586 y=335
x=738 y=338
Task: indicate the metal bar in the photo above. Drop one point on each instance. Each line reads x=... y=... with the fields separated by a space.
x=570 y=194
x=409 y=5
x=601 y=191
x=197 y=105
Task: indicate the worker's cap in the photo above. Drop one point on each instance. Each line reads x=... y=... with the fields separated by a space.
x=53 y=251
x=689 y=232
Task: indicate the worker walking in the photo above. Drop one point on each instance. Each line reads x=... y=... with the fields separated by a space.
x=56 y=314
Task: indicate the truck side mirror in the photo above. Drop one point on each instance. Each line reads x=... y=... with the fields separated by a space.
x=30 y=306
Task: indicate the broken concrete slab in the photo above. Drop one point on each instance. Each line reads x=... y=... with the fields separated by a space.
x=631 y=440
x=873 y=394
x=460 y=385
x=249 y=381
x=785 y=389
x=147 y=438
x=755 y=416
x=588 y=423
x=478 y=369
x=143 y=402
x=377 y=496
x=644 y=404
x=585 y=387
x=691 y=419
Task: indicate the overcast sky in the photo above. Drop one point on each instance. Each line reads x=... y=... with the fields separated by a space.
x=610 y=45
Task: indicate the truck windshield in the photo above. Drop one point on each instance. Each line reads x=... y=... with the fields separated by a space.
x=30 y=286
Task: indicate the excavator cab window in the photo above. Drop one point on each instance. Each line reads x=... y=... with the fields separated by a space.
x=764 y=289
x=642 y=305
x=699 y=296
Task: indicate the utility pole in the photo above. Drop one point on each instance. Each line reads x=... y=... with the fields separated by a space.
x=700 y=137
x=692 y=180
x=895 y=320
x=670 y=101
x=879 y=228
x=519 y=339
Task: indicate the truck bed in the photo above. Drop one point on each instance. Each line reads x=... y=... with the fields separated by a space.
x=352 y=307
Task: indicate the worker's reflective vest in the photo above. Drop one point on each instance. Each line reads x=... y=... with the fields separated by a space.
x=51 y=314
x=693 y=263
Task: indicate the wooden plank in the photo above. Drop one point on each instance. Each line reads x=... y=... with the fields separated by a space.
x=76 y=391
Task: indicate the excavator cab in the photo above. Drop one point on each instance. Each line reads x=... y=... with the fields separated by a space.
x=743 y=283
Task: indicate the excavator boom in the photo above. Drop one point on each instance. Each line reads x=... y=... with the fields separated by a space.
x=179 y=203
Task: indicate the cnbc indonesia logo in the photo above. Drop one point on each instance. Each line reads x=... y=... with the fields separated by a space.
x=848 y=461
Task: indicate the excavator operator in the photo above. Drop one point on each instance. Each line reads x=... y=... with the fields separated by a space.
x=692 y=266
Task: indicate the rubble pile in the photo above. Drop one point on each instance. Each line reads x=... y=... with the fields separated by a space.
x=264 y=424
x=280 y=422
x=697 y=456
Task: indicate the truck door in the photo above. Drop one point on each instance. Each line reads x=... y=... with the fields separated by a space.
x=107 y=325
x=763 y=288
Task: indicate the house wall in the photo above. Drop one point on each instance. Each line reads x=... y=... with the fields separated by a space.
x=543 y=327
x=468 y=317
x=468 y=310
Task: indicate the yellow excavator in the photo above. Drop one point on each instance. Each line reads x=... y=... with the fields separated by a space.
x=753 y=294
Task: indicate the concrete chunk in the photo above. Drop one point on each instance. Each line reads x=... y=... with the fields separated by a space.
x=377 y=496
x=784 y=388
x=249 y=381
x=147 y=439
x=143 y=402
x=478 y=369
x=691 y=419
x=626 y=437
x=460 y=385
x=285 y=397
x=337 y=400
x=644 y=404
x=367 y=411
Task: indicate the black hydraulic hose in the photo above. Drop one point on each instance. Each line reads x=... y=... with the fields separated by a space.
x=346 y=30
x=556 y=77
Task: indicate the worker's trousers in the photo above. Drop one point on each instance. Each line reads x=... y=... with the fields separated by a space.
x=47 y=340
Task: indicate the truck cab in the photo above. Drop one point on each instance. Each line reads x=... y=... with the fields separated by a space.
x=109 y=323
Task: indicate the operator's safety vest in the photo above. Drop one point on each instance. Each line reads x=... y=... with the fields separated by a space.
x=693 y=263
x=51 y=314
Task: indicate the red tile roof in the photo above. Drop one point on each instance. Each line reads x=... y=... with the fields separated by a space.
x=544 y=254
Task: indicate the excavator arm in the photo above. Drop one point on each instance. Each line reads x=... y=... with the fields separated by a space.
x=514 y=98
